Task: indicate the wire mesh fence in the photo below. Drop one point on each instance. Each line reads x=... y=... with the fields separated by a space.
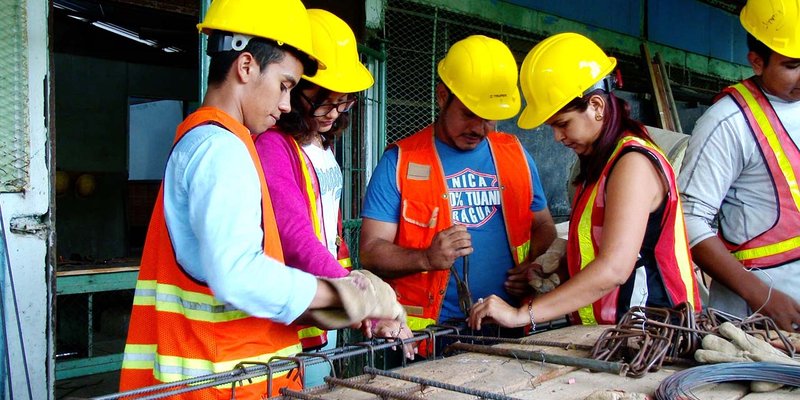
x=417 y=37
x=14 y=160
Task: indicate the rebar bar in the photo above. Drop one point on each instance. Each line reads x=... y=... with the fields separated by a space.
x=588 y=363
x=385 y=393
x=314 y=392
x=258 y=370
x=441 y=385
x=525 y=340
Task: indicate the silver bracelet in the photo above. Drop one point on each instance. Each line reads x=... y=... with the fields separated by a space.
x=530 y=314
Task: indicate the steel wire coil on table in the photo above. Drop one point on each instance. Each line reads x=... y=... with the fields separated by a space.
x=680 y=384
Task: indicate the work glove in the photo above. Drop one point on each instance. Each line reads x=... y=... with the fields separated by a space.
x=363 y=296
x=549 y=261
x=615 y=394
x=741 y=347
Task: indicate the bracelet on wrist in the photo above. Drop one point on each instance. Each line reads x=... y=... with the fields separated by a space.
x=530 y=314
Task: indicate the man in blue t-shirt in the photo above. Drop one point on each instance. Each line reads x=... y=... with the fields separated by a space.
x=457 y=188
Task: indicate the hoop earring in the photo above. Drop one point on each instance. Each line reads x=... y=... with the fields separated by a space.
x=598 y=117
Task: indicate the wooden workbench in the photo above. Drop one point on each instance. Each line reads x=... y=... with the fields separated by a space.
x=535 y=380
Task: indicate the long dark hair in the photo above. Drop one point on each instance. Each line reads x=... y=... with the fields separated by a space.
x=301 y=124
x=616 y=124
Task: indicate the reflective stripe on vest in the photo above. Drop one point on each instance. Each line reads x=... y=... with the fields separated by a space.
x=671 y=252
x=418 y=324
x=194 y=305
x=311 y=194
x=587 y=251
x=171 y=368
x=780 y=243
x=425 y=210
x=311 y=336
x=178 y=328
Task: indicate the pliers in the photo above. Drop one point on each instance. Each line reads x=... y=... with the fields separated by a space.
x=462 y=286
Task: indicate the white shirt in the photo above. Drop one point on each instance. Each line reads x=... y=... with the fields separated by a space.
x=329 y=177
x=212 y=206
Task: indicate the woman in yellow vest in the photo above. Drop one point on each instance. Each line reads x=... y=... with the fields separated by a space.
x=627 y=243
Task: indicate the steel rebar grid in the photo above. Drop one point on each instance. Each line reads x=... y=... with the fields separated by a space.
x=588 y=363
x=314 y=392
x=526 y=341
x=384 y=393
x=255 y=371
x=440 y=385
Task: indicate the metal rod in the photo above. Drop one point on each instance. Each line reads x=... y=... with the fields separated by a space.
x=441 y=385
x=294 y=394
x=312 y=392
x=255 y=371
x=371 y=389
x=588 y=363
x=548 y=343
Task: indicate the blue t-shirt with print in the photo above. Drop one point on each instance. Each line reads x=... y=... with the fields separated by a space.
x=475 y=201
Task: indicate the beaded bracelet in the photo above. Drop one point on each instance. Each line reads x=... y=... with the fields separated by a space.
x=530 y=313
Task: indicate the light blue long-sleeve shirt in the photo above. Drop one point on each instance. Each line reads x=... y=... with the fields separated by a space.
x=212 y=206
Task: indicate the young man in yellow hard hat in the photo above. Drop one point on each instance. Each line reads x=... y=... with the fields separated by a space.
x=741 y=169
x=212 y=292
x=458 y=190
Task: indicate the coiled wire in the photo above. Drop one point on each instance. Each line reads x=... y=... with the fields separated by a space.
x=681 y=384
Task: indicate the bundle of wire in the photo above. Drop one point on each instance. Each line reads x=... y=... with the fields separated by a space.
x=681 y=384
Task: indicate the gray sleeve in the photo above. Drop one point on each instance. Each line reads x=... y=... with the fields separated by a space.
x=713 y=161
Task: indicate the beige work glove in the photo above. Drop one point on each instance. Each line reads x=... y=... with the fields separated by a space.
x=363 y=296
x=549 y=261
x=741 y=347
x=614 y=394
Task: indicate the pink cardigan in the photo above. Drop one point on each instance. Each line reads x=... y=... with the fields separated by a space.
x=282 y=170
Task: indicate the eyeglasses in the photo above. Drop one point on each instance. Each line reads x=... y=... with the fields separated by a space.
x=321 y=110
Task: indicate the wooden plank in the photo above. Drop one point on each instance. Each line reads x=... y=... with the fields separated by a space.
x=91 y=271
x=664 y=115
x=525 y=379
x=667 y=88
x=92 y=283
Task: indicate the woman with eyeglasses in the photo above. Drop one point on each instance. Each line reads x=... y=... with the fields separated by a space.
x=303 y=176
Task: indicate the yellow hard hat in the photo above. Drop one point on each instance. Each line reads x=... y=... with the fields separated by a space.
x=284 y=21
x=556 y=71
x=776 y=23
x=335 y=43
x=482 y=73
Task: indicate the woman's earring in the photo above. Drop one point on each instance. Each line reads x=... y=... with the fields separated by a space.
x=598 y=117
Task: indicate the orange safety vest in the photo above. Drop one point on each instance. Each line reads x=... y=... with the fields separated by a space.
x=312 y=337
x=425 y=211
x=178 y=329
x=780 y=243
x=672 y=250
